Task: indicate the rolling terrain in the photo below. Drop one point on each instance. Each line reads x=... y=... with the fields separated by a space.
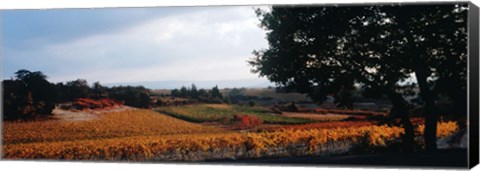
x=146 y=135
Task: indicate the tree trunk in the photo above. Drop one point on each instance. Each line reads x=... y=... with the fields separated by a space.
x=459 y=112
x=430 y=132
x=400 y=109
x=460 y=107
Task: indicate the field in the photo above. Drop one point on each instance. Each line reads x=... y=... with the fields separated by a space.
x=146 y=135
x=220 y=112
x=316 y=117
x=110 y=125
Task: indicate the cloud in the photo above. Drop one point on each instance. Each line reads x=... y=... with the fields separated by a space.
x=196 y=69
x=208 y=43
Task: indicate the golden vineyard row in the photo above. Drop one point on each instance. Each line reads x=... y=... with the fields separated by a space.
x=109 y=125
x=147 y=148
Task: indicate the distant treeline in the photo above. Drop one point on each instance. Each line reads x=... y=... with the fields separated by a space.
x=233 y=96
x=29 y=95
x=202 y=95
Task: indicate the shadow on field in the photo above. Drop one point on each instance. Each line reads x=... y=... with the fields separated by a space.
x=444 y=158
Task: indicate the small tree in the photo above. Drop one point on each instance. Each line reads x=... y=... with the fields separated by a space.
x=99 y=91
x=193 y=93
x=175 y=93
x=183 y=91
x=216 y=93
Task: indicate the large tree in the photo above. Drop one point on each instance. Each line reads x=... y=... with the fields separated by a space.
x=319 y=50
x=308 y=53
x=28 y=95
x=431 y=41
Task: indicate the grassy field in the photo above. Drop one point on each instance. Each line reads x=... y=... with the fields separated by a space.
x=219 y=112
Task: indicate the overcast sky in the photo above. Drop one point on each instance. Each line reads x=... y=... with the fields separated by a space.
x=132 y=44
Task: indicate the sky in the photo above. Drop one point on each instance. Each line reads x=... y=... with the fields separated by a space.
x=128 y=45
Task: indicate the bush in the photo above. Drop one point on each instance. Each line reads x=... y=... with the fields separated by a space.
x=289 y=107
x=65 y=106
x=136 y=96
x=246 y=121
x=292 y=107
x=251 y=103
x=87 y=103
x=276 y=110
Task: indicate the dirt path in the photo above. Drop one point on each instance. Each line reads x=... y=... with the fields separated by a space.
x=84 y=115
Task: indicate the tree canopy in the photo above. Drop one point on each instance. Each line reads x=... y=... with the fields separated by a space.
x=321 y=50
x=27 y=96
x=209 y=96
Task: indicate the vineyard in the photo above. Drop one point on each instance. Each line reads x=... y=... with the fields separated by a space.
x=220 y=112
x=110 y=125
x=212 y=146
x=145 y=135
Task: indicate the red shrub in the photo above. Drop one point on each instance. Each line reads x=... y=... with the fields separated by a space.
x=86 y=103
x=246 y=121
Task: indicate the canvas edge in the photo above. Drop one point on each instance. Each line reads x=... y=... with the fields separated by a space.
x=473 y=88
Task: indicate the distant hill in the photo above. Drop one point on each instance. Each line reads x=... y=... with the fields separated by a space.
x=205 y=84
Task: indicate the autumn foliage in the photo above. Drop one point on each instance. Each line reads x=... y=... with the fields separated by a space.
x=322 y=125
x=246 y=121
x=130 y=123
x=145 y=135
x=87 y=103
x=186 y=146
